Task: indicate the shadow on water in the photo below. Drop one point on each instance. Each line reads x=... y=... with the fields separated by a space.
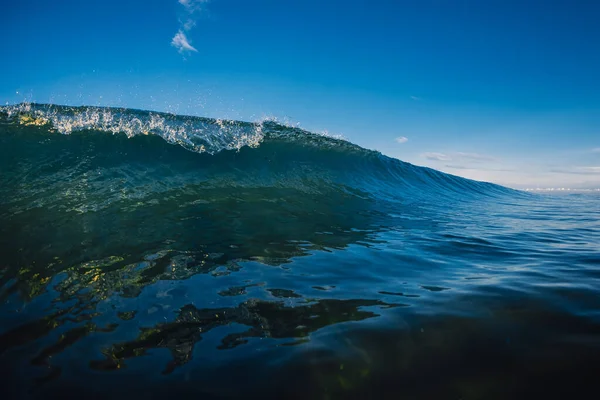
x=265 y=319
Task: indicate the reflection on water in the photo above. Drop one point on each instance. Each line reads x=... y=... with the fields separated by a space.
x=175 y=240
x=264 y=319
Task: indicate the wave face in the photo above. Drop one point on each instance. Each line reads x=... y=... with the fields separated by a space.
x=281 y=156
x=130 y=235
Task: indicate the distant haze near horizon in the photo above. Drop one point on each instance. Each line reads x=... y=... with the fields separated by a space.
x=499 y=91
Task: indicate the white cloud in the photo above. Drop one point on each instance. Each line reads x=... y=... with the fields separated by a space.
x=595 y=170
x=436 y=156
x=596 y=150
x=186 y=23
x=181 y=43
x=478 y=168
x=473 y=157
x=401 y=139
x=192 y=5
x=459 y=157
x=415 y=98
x=579 y=171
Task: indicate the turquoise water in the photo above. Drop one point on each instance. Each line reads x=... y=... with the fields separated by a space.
x=148 y=254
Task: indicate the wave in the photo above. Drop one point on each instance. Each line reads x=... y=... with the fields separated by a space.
x=230 y=153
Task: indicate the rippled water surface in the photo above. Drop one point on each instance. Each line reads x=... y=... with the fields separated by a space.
x=152 y=255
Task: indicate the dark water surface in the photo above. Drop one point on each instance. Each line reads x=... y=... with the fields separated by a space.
x=271 y=262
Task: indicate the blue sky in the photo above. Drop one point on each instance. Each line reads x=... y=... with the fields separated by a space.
x=498 y=90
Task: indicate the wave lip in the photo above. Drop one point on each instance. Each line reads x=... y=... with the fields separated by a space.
x=193 y=133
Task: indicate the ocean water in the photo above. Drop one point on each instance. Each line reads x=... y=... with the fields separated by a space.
x=154 y=255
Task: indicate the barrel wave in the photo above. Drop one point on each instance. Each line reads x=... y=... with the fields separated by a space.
x=142 y=249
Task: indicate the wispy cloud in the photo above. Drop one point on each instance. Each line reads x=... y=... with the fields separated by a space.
x=458 y=157
x=415 y=98
x=596 y=150
x=188 y=25
x=593 y=170
x=192 y=5
x=181 y=43
x=473 y=157
x=436 y=156
x=478 y=168
x=401 y=139
x=190 y=10
x=579 y=171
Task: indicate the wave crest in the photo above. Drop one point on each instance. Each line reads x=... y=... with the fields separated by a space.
x=193 y=133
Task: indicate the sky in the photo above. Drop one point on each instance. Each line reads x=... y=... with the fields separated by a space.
x=496 y=90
